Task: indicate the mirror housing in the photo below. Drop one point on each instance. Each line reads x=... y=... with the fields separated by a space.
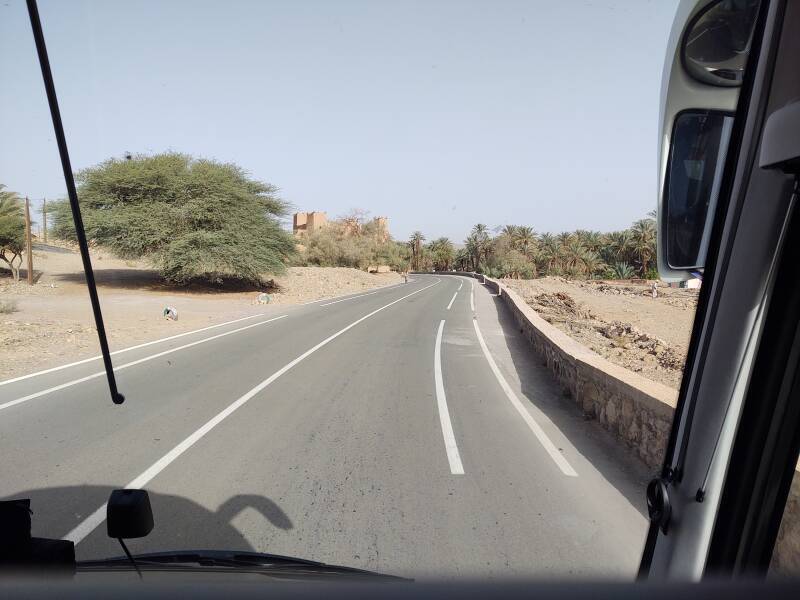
x=128 y=514
x=685 y=92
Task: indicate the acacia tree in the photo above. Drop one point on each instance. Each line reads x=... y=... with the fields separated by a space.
x=12 y=230
x=193 y=219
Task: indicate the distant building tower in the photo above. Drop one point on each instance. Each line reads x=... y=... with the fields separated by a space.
x=382 y=228
x=304 y=222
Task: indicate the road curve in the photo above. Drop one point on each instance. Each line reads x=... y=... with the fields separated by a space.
x=407 y=430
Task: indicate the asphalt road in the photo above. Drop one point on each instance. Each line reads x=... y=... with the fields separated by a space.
x=402 y=431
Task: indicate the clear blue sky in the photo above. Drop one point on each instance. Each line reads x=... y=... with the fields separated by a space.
x=437 y=114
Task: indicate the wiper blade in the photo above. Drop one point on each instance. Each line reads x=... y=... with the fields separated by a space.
x=221 y=559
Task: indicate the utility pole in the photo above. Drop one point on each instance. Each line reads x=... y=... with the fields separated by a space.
x=44 y=219
x=28 y=240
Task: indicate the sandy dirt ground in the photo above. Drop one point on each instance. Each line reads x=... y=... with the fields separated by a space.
x=620 y=321
x=51 y=323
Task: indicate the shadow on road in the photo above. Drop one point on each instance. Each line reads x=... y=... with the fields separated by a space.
x=180 y=523
x=624 y=472
x=150 y=280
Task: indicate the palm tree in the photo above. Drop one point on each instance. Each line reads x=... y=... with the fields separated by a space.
x=9 y=202
x=442 y=253
x=619 y=244
x=462 y=259
x=592 y=263
x=564 y=237
x=473 y=248
x=510 y=231
x=550 y=252
x=643 y=242
x=593 y=240
x=573 y=255
x=416 y=249
x=482 y=244
x=480 y=230
x=523 y=238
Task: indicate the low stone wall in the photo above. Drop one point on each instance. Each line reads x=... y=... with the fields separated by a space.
x=637 y=411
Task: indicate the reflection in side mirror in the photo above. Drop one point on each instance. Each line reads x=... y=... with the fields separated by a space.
x=697 y=153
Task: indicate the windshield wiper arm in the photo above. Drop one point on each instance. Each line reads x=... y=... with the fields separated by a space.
x=231 y=560
x=69 y=180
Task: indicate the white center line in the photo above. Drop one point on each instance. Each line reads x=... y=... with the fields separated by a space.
x=551 y=449
x=453 y=299
x=350 y=298
x=144 y=345
x=131 y=364
x=97 y=517
x=456 y=468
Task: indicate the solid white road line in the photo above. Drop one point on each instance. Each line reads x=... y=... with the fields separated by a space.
x=350 y=298
x=551 y=449
x=456 y=468
x=132 y=363
x=453 y=299
x=460 y=283
x=97 y=517
x=472 y=296
x=380 y=289
x=144 y=345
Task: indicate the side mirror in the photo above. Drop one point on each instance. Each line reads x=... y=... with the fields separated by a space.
x=699 y=145
x=707 y=60
x=128 y=514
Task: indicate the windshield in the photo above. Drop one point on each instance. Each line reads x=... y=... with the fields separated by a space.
x=378 y=280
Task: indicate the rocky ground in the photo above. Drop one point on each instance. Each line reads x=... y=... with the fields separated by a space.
x=620 y=321
x=50 y=323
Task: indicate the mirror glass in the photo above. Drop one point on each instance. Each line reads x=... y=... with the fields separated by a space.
x=694 y=172
x=716 y=45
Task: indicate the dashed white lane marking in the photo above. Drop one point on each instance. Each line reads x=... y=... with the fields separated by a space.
x=453 y=299
x=472 y=296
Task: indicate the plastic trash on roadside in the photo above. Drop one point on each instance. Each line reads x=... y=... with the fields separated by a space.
x=263 y=298
x=171 y=313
